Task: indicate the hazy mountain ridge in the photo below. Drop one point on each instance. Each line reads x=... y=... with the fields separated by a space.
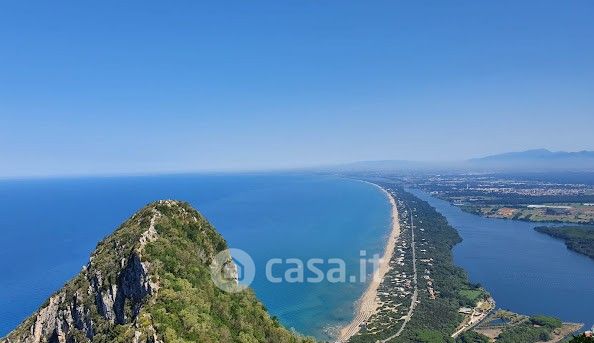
x=536 y=160
x=537 y=154
x=150 y=282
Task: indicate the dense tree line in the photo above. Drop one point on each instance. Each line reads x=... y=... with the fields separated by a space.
x=577 y=238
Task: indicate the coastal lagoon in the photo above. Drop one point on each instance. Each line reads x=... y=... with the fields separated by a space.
x=49 y=228
x=525 y=271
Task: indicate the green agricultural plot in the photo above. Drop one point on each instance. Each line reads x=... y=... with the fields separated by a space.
x=472 y=295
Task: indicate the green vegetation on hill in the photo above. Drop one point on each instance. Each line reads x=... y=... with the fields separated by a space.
x=150 y=282
x=189 y=307
x=577 y=238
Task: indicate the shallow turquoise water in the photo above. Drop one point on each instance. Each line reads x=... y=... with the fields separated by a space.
x=49 y=228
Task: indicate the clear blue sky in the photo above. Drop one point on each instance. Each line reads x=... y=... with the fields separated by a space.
x=95 y=87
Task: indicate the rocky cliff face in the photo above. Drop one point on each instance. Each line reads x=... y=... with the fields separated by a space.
x=111 y=289
x=148 y=283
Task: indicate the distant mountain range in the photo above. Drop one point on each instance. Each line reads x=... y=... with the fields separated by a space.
x=536 y=160
x=537 y=154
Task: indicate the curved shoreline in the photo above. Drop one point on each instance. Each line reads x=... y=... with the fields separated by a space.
x=367 y=305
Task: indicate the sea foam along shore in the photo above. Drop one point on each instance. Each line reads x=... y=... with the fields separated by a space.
x=368 y=303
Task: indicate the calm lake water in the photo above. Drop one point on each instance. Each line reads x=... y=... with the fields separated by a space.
x=525 y=271
x=49 y=228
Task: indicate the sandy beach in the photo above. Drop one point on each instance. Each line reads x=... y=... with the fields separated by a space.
x=368 y=303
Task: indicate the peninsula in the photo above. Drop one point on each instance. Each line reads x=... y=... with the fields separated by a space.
x=422 y=294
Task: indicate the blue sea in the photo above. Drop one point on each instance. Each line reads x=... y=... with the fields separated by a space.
x=49 y=228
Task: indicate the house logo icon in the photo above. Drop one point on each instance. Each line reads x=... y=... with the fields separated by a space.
x=239 y=268
x=232 y=270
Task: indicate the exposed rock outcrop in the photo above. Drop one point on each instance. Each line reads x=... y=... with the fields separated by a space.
x=71 y=314
x=150 y=282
